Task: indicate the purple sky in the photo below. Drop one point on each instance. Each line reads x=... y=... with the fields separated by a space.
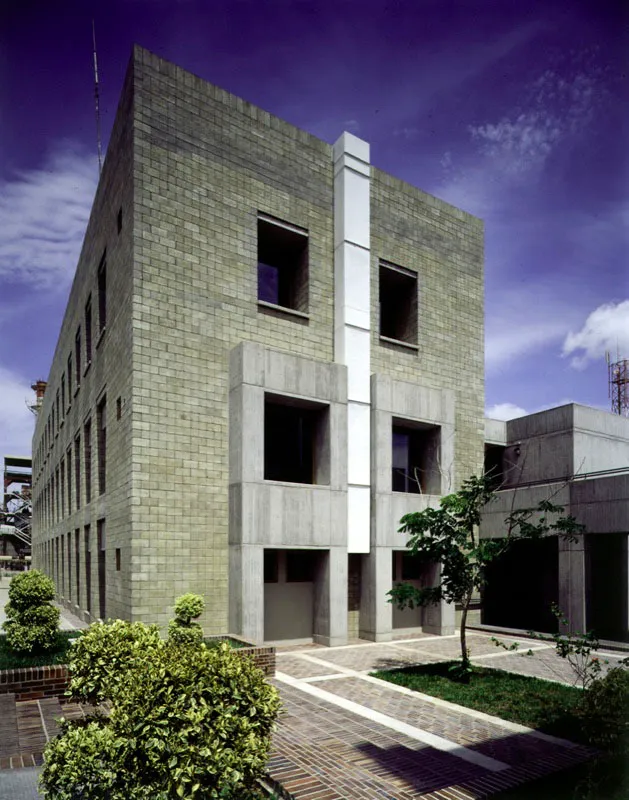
x=518 y=115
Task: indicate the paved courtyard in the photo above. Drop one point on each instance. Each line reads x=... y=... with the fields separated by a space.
x=345 y=735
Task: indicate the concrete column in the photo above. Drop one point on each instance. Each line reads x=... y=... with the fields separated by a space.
x=352 y=322
x=376 y=613
x=246 y=591
x=439 y=618
x=572 y=582
x=330 y=598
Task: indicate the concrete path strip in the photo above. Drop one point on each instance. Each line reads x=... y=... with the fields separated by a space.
x=438 y=742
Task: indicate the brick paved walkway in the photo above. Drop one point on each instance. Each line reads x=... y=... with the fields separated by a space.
x=344 y=735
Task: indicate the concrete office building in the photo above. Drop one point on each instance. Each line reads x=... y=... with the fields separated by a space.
x=579 y=457
x=258 y=373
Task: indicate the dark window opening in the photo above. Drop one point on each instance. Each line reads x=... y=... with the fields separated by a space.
x=282 y=266
x=415 y=459
x=63 y=396
x=102 y=294
x=117 y=559
x=494 y=464
x=301 y=566
x=119 y=408
x=77 y=356
x=87 y=455
x=119 y=220
x=69 y=541
x=69 y=378
x=77 y=564
x=102 y=445
x=270 y=566
x=77 y=470
x=88 y=571
x=398 y=304
x=58 y=407
x=88 y=331
x=102 y=586
x=296 y=441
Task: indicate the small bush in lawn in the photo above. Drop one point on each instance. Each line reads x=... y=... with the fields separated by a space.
x=186 y=721
x=32 y=623
x=183 y=629
x=604 y=711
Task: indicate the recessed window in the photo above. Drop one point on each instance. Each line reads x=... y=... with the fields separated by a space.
x=88 y=331
x=296 y=441
x=102 y=294
x=282 y=265
x=69 y=379
x=271 y=566
x=301 y=566
x=87 y=454
x=398 y=304
x=117 y=559
x=101 y=419
x=119 y=220
x=415 y=458
x=494 y=464
x=119 y=408
x=77 y=356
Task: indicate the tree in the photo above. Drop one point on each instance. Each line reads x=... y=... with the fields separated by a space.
x=449 y=535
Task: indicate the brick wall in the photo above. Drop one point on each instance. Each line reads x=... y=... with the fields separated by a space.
x=33 y=683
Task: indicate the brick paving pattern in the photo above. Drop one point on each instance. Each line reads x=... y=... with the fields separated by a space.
x=322 y=751
x=544 y=664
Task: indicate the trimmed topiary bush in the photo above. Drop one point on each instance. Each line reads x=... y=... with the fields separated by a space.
x=186 y=721
x=182 y=629
x=32 y=623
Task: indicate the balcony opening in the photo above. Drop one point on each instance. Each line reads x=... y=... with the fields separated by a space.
x=398 y=304
x=415 y=458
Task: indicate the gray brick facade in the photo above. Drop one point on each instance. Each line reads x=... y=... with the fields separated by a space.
x=191 y=167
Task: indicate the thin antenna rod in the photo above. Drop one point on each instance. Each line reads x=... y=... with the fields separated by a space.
x=96 y=100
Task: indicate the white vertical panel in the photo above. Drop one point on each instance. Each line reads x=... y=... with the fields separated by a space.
x=352 y=323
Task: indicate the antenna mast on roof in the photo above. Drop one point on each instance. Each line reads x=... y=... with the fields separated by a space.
x=96 y=99
x=618 y=381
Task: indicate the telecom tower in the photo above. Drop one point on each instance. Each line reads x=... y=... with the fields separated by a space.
x=618 y=381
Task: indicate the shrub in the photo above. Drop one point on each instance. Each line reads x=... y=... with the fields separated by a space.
x=103 y=657
x=186 y=721
x=182 y=629
x=604 y=711
x=31 y=623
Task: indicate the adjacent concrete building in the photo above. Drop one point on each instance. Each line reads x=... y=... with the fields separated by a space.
x=257 y=374
x=579 y=457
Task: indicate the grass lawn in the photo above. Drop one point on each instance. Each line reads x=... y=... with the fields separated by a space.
x=533 y=702
x=58 y=655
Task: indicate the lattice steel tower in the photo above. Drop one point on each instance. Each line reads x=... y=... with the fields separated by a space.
x=618 y=380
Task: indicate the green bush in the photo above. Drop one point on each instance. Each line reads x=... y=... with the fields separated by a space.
x=105 y=654
x=182 y=629
x=32 y=623
x=186 y=721
x=604 y=711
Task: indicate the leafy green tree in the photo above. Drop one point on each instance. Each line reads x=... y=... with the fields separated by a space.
x=188 y=608
x=32 y=622
x=449 y=535
x=186 y=720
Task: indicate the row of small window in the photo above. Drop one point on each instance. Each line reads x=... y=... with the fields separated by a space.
x=283 y=280
x=296 y=447
x=61 y=558
x=70 y=377
x=50 y=505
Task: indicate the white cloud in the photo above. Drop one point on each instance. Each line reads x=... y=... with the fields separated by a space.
x=16 y=421
x=43 y=216
x=553 y=109
x=605 y=329
x=505 y=411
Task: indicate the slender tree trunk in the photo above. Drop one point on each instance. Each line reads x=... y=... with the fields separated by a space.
x=466 y=604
